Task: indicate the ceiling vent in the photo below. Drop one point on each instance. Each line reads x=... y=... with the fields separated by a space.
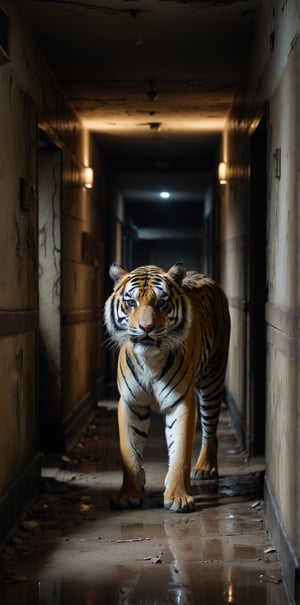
x=4 y=37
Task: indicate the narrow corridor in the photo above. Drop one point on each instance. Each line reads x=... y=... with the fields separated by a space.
x=72 y=548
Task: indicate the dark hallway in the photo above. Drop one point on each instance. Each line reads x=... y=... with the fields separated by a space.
x=138 y=132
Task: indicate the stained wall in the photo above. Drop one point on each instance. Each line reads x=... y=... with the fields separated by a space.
x=271 y=89
x=30 y=102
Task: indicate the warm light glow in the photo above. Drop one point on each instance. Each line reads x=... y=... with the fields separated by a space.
x=222 y=173
x=127 y=124
x=86 y=147
x=164 y=195
x=88 y=177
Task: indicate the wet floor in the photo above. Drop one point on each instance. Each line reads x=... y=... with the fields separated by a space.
x=72 y=548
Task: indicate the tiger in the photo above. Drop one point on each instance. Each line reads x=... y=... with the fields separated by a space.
x=172 y=332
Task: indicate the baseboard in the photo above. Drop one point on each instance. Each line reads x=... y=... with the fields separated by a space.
x=285 y=552
x=12 y=506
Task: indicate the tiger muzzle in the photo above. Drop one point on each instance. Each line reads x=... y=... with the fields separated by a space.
x=146 y=318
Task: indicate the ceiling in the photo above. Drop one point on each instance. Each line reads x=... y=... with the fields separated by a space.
x=154 y=79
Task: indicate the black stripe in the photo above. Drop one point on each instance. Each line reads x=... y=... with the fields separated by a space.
x=170 y=426
x=112 y=317
x=209 y=417
x=136 y=451
x=125 y=380
x=140 y=416
x=182 y=396
x=133 y=370
x=168 y=364
x=173 y=386
x=209 y=407
x=177 y=369
x=139 y=432
x=115 y=305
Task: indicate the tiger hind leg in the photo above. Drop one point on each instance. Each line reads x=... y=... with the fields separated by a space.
x=133 y=424
x=211 y=387
x=206 y=466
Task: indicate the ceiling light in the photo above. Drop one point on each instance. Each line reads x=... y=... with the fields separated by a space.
x=164 y=195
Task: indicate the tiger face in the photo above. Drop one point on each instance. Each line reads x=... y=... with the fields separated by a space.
x=147 y=307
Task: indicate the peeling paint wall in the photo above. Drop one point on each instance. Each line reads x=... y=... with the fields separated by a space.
x=271 y=88
x=18 y=285
x=49 y=224
x=71 y=235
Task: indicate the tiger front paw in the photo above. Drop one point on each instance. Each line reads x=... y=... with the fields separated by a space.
x=180 y=504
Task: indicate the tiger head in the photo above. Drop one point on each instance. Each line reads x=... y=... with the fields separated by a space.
x=148 y=307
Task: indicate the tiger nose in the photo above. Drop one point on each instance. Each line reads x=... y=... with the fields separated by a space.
x=146 y=318
x=146 y=327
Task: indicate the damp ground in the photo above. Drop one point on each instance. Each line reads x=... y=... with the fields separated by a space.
x=70 y=547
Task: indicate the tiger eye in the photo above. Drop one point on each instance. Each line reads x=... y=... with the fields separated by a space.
x=131 y=304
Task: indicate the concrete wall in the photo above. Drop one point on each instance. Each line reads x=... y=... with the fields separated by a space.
x=271 y=89
x=29 y=100
x=18 y=293
x=50 y=245
x=83 y=234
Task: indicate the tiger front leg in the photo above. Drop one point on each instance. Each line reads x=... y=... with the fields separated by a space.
x=180 y=423
x=133 y=422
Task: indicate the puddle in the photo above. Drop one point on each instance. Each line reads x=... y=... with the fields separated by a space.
x=150 y=585
x=244 y=485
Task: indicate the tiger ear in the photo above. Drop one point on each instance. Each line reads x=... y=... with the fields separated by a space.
x=177 y=272
x=116 y=272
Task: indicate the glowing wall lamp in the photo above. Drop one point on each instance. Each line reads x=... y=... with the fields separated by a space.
x=222 y=173
x=88 y=177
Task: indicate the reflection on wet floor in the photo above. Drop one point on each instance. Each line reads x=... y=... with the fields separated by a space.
x=72 y=548
x=137 y=585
